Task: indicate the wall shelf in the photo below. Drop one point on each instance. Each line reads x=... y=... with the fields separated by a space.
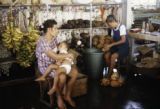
x=83 y=28
x=155 y=21
x=143 y=15
x=57 y=5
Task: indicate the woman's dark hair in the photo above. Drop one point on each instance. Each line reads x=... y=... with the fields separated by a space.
x=110 y=18
x=48 y=24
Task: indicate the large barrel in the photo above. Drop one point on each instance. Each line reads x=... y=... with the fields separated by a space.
x=94 y=63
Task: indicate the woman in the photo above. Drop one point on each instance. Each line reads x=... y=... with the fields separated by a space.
x=117 y=50
x=46 y=53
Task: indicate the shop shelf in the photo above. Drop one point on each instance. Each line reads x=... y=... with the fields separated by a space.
x=84 y=28
x=143 y=15
x=57 y=5
x=155 y=21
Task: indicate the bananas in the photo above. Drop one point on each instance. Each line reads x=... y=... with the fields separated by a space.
x=27 y=55
x=22 y=44
x=12 y=37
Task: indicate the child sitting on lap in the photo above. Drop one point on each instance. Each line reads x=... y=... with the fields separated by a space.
x=61 y=67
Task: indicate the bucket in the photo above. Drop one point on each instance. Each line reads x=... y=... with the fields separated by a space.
x=94 y=63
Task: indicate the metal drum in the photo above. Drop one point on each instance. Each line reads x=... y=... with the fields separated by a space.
x=94 y=63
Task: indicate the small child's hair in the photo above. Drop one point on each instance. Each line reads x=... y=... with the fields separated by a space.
x=64 y=43
x=110 y=18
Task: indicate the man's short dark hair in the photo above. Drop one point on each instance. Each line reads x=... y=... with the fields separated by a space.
x=110 y=18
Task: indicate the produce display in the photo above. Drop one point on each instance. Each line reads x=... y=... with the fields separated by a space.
x=12 y=36
x=100 y=41
x=20 y=43
x=80 y=23
x=26 y=54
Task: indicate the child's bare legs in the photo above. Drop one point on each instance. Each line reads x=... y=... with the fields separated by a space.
x=55 y=83
x=73 y=76
x=59 y=71
x=47 y=72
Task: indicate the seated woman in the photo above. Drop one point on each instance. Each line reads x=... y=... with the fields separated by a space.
x=119 y=48
x=46 y=53
x=61 y=66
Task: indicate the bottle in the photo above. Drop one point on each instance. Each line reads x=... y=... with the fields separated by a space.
x=105 y=72
x=115 y=75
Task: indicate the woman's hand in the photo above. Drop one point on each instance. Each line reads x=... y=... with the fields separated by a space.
x=69 y=55
x=59 y=62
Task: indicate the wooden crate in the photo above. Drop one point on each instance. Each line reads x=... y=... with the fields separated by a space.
x=80 y=87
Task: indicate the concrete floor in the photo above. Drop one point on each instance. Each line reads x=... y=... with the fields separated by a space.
x=137 y=93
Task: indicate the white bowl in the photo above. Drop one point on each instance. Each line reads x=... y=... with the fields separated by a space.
x=82 y=1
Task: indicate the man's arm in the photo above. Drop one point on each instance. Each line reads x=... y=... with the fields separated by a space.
x=123 y=33
x=121 y=41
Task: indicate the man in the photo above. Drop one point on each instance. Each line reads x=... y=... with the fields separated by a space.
x=119 y=49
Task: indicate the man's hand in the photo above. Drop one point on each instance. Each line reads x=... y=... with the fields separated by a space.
x=107 y=47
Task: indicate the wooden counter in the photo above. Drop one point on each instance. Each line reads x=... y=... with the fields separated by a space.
x=144 y=36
